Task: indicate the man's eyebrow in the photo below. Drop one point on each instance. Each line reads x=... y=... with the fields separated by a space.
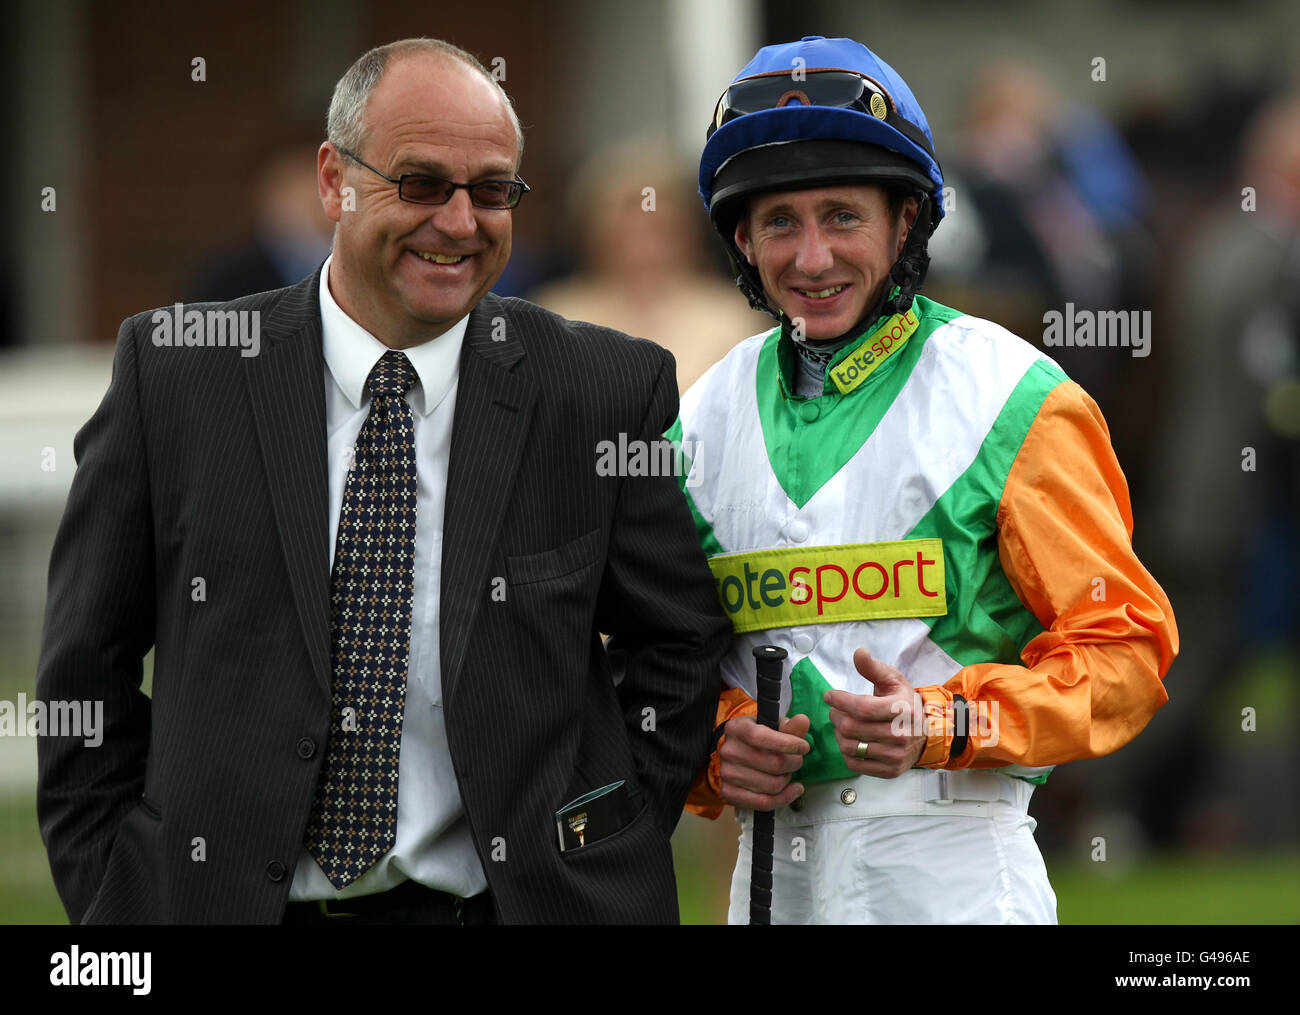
x=823 y=206
x=415 y=164
x=780 y=208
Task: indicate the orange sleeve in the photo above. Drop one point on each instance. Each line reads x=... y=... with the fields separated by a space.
x=1093 y=679
x=705 y=798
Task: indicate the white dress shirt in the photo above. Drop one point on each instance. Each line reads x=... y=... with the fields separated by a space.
x=433 y=844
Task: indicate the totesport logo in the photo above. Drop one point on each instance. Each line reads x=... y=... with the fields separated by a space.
x=830 y=584
x=873 y=350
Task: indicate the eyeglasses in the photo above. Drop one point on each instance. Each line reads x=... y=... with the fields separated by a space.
x=839 y=89
x=417 y=188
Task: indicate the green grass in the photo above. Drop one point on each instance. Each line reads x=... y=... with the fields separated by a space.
x=1171 y=889
x=1227 y=888
x=27 y=892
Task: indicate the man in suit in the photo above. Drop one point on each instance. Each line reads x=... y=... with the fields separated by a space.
x=348 y=720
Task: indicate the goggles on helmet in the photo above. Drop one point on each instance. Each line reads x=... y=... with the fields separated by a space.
x=838 y=89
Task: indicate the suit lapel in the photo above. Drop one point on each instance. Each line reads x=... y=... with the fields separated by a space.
x=286 y=385
x=494 y=407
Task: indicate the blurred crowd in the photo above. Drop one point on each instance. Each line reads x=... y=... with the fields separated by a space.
x=1166 y=209
x=644 y=264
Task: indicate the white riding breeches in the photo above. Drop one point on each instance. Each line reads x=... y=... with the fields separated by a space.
x=926 y=848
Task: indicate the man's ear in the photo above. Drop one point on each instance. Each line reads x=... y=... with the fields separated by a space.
x=329 y=181
x=742 y=239
x=908 y=217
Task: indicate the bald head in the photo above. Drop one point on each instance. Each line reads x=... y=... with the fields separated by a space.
x=346 y=126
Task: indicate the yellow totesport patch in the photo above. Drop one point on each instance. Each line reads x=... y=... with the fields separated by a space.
x=830 y=584
x=873 y=350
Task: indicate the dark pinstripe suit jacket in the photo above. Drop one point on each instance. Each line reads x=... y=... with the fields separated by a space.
x=202 y=463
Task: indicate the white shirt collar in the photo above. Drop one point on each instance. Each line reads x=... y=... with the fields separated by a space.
x=351 y=353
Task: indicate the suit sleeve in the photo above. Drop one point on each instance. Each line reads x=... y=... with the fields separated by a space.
x=658 y=604
x=1094 y=677
x=98 y=628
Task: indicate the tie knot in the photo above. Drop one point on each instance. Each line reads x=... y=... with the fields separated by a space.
x=392 y=375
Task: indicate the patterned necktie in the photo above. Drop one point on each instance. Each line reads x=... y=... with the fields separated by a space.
x=354 y=817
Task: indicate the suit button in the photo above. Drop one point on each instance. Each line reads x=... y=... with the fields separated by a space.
x=848 y=797
x=810 y=411
x=306 y=748
x=796 y=804
x=275 y=870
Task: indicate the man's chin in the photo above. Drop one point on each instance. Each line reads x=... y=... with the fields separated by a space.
x=443 y=304
x=832 y=331
x=438 y=313
x=821 y=332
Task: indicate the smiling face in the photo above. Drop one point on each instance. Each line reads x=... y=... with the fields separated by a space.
x=824 y=254
x=408 y=272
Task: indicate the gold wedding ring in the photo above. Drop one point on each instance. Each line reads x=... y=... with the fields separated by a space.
x=861 y=752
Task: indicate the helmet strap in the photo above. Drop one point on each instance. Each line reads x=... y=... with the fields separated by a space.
x=909 y=270
x=747 y=281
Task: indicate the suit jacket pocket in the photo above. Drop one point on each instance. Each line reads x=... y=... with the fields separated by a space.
x=129 y=892
x=566 y=559
x=618 y=836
